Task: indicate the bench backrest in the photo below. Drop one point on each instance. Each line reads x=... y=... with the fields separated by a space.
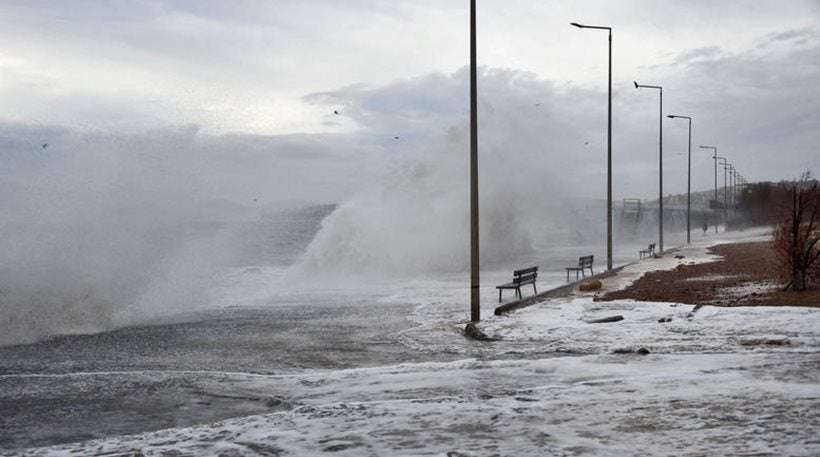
x=525 y=275
x=585 y=261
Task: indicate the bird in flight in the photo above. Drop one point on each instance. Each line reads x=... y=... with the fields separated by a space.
x=45 y=145
x=336 y=112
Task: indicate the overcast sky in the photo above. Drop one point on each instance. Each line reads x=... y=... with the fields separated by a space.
x=747 y=71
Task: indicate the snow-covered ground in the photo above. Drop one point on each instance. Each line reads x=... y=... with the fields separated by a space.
x=719 y=381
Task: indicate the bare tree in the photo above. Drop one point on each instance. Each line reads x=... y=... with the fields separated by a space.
x=797 y=236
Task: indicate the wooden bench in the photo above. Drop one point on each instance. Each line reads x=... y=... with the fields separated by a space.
x=584 y=263
x=520 y=278
x=649 y=252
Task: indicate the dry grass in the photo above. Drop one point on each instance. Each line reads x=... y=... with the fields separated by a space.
x=746 y=276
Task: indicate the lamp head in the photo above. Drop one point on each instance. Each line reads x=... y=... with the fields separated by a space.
x=636 y=84
x=575 y=24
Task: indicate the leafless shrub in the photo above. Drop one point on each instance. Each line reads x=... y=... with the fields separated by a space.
x=797 y=235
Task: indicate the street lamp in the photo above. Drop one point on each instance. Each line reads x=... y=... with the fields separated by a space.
x=734 y=189
x=475 y=297
x=725 y=198
x=608 y=147
x=714 y=156
x=660 y=158
x=688 y=180
x=737 y=188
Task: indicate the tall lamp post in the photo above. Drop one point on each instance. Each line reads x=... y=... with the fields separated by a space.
x=725 y=194
x=737 y=188
x=660 y=158
x=715 y=157
x=475 y=298
x=688 y=180
x=608 y=147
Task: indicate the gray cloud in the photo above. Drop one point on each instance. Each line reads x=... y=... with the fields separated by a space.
x=699 y=54
x=799 y=35
x=244 y=66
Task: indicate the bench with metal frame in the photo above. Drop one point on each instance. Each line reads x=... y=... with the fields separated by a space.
x=584 y=263
x=520 y=278
x=649 y=252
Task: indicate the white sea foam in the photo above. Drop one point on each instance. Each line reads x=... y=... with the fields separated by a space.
x=712 y=384
x=732 y=402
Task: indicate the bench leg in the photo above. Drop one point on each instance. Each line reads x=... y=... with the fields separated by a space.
x=518 y=291
x=499 y=295
x=534 y=290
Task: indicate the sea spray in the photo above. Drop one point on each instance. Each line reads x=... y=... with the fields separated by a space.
x=413 y=221
x=541 y=186
x=104 y=230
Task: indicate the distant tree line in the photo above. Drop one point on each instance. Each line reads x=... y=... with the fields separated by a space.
x=764 y=203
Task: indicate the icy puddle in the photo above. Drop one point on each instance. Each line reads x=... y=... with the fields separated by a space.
x=711 y=385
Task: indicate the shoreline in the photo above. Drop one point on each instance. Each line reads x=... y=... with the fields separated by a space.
x=718 y=272
x=743 y=274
